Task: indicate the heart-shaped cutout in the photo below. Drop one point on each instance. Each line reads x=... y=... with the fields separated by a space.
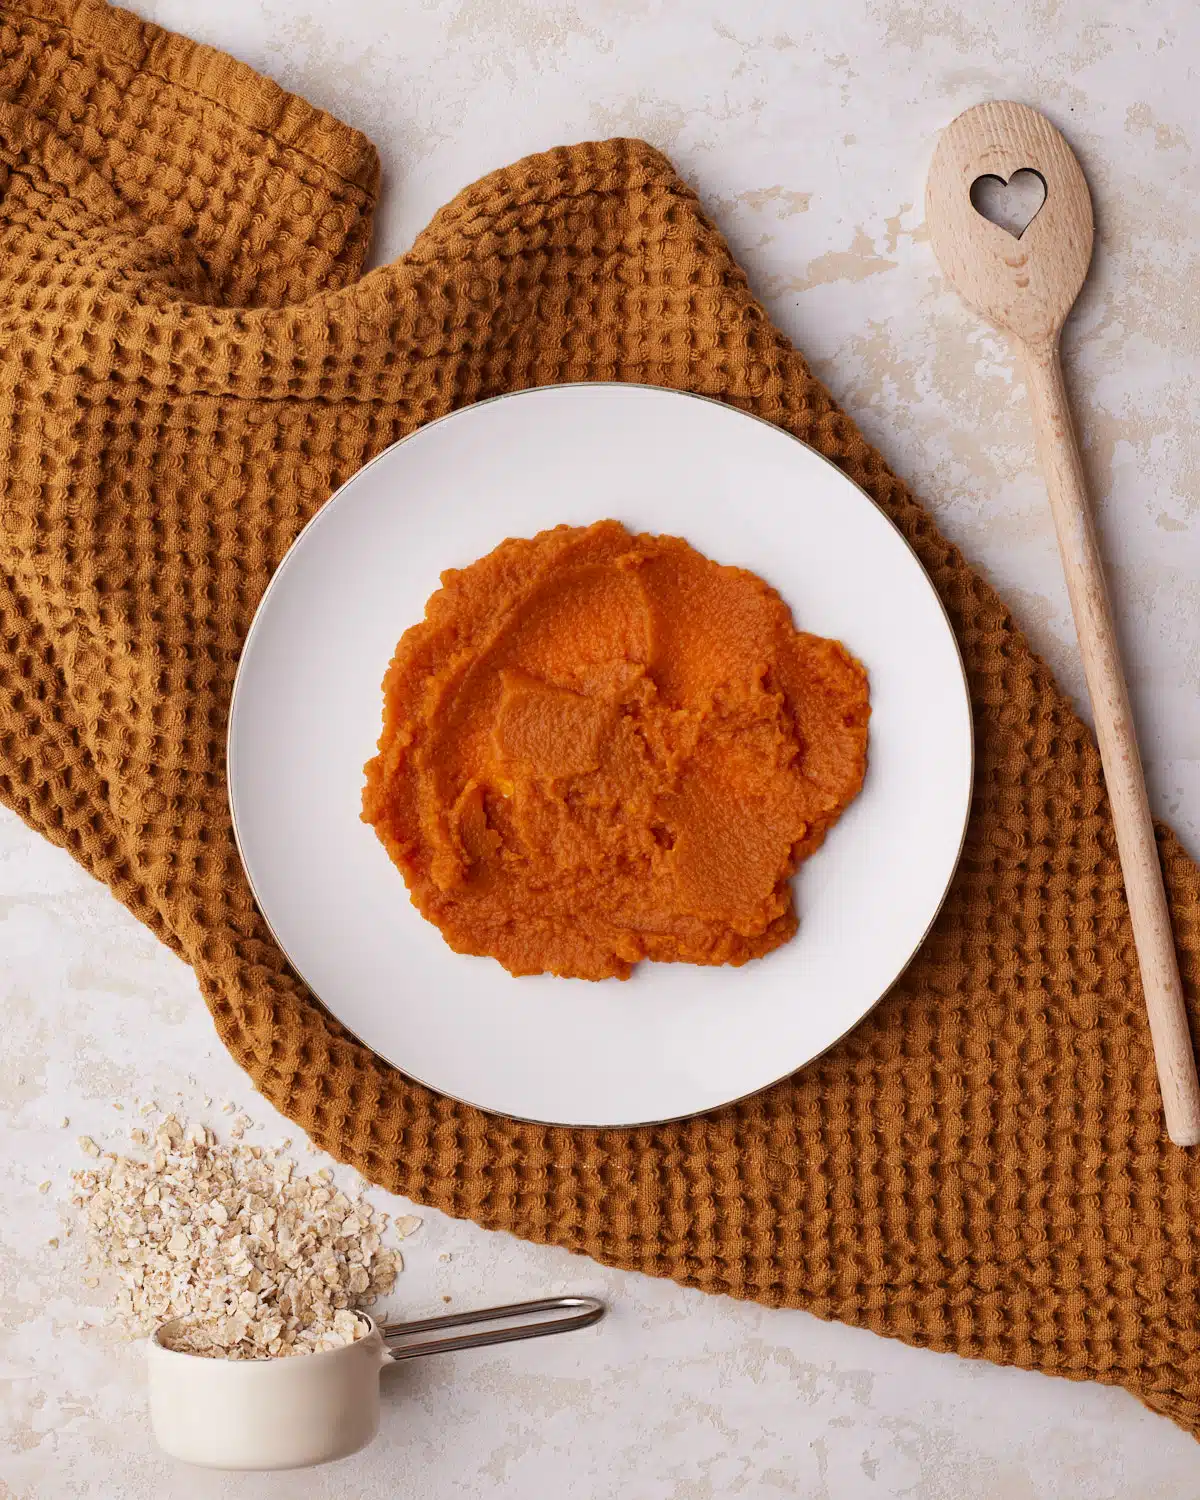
x=1011 y=205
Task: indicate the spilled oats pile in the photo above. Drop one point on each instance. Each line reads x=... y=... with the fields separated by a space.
x=259 y=1258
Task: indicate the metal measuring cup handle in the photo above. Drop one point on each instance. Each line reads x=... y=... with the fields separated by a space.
x=582 y=1312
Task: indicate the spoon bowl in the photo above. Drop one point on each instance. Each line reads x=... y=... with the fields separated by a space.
x=1024 y=285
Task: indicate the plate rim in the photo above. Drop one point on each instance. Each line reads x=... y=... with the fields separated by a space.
x=310 y=525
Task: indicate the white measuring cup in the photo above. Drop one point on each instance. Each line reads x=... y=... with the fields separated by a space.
x=307 y=1409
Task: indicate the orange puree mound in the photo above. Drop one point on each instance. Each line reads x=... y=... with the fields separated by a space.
x=599 y=748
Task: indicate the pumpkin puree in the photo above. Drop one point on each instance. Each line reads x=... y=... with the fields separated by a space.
x=599 y=748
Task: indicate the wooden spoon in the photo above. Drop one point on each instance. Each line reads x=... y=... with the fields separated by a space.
x=1026 y=285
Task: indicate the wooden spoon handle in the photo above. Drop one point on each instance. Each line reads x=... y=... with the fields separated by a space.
x=1148 y=912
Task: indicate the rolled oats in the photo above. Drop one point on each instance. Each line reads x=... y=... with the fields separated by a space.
x=256 y=1258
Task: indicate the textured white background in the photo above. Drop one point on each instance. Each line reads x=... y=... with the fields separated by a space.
x=807 y=129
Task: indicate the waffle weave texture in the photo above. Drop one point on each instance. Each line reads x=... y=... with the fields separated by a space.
x=191 y=363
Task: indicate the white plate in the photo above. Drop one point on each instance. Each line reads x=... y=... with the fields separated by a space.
x=675 y=1039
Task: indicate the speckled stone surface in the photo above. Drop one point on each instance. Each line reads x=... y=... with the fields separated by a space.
x=680 y=1394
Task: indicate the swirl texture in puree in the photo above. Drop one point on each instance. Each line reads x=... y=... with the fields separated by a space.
x=600 y=747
